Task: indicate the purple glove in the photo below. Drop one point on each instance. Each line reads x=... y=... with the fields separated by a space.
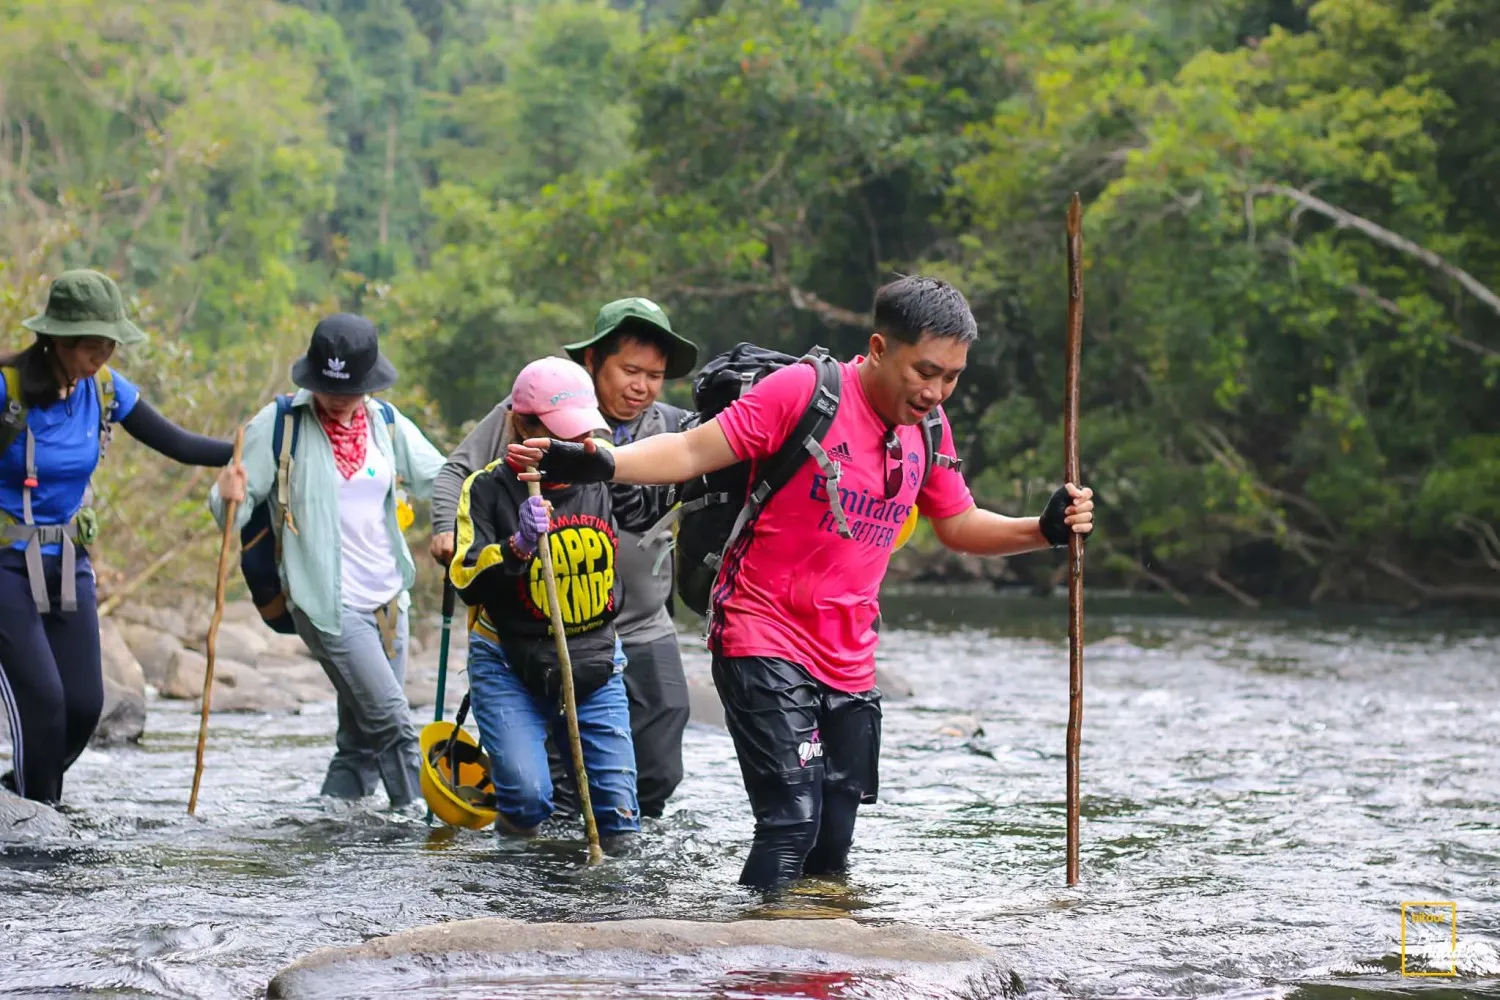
x=533 y=516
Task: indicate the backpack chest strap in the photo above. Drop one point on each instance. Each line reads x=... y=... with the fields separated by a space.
x=833 y=471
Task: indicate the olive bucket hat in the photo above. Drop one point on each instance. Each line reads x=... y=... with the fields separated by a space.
x=84 y=303
x=682 y=354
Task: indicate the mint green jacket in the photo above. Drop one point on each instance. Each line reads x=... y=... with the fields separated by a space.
x=312 y=559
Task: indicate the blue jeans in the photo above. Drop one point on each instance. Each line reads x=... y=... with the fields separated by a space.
x=513 y=728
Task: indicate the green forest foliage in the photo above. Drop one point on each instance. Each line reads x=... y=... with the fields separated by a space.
x=1292 y=232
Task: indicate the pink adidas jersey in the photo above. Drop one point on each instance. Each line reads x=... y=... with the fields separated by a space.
x=799 y=591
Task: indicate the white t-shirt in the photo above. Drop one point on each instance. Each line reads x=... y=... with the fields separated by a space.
x=371 y=577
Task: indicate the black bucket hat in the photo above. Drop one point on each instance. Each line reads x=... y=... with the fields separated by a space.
x=344 y=358
x=682 y=354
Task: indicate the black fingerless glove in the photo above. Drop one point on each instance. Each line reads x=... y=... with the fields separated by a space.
x=1055 y=528
x=570 y=462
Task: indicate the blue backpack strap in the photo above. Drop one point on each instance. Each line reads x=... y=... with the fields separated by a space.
x=389 y=413
x=283 y=407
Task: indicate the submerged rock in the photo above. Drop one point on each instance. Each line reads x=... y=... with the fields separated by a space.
x=904 y=960
x=22 y=820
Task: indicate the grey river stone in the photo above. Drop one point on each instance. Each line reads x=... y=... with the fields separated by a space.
x=495 y=951
x=24 y=821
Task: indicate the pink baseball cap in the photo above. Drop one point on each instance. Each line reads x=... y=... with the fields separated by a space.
x=560 y=393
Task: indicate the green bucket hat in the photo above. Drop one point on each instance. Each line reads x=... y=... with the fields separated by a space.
x=84 y=303
x=682 y=354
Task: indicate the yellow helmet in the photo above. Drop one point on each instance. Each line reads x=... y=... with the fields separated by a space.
x=471 y=802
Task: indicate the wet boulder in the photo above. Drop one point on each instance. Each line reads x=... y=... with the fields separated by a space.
x=22 y=820
x=240 y=641
x=185 y=672
x=251 y=693
x=893 y=684
x=509 y=958
x=124 y=716
x=169 y=620
x=153 y=650
x=300 y=676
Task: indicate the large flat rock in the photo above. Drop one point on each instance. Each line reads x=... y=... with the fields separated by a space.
x=496 y=952
x=24 y=821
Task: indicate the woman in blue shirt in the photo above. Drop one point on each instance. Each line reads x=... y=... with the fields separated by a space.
x=59 y=403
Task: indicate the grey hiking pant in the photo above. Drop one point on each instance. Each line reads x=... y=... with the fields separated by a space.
x=376 y=738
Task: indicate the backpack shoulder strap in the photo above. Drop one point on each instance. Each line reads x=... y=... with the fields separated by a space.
x=105 y=380
x=389 y=413
x=288 y=425
x=279 y=427
x=13 y=421
x=932 y=437
x=810 y=430
x=104 y=386
x=805 y=440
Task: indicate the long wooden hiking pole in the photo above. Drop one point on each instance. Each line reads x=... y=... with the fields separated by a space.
x=570 y=704
x=1075 y=541
x=213 y=625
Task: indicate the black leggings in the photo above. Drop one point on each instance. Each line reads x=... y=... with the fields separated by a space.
x=51 y=683
x=809 y=755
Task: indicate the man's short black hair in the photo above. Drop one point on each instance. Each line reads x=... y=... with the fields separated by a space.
x=911 y=306
x=640 y=333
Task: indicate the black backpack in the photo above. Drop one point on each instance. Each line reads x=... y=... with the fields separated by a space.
x=715 y=509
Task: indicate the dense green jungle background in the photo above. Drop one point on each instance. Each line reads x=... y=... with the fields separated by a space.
x=1292 y=235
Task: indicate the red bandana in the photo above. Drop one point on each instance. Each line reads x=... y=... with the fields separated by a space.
x=348 y=442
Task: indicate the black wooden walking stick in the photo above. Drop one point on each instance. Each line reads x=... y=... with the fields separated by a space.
x=1075 y=541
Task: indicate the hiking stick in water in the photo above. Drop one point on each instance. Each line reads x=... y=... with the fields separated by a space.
x=213 y=625
x=570 y=704
x=1075 y=541
x=442 y=683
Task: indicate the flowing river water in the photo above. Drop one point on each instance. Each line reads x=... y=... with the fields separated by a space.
x=1261 y=794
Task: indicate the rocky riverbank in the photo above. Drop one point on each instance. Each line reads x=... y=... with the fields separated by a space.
x=149 y=649
x=159 y=651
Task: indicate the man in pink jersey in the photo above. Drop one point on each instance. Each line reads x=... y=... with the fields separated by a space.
x=796 y=605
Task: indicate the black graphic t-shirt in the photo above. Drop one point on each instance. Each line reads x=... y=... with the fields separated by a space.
x=508 y=588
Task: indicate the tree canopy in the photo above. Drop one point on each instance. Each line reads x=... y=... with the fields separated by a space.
x=1292 y=229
